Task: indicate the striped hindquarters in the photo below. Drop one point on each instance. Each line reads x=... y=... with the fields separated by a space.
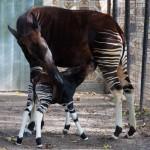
x=108 y=52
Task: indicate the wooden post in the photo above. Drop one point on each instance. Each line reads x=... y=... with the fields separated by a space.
x=144 y=56
x=109 y=7
x=127 y=32
x=115 y=9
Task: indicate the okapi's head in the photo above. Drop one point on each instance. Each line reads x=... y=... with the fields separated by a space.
x=35 y=48
x=29 y=37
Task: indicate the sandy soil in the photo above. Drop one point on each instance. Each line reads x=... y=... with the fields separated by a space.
x=96 y=115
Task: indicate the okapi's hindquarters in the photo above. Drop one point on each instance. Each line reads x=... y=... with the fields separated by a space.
x=108 y=52
x=26 y=113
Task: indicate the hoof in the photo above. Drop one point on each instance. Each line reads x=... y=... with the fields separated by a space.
x=31 y=126
x=83 y=136
x=130 y=133
x=39 y=143
x=19 y=141
x=65 y=131
x=117 y=132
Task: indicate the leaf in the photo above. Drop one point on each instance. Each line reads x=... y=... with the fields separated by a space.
x=106 y=146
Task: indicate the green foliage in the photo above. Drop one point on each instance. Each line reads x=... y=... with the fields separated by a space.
x=106 y=146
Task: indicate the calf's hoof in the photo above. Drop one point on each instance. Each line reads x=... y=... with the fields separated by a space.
x=19 y=141
x=117 y=132
x=31 y=126
x=83 y=136
x=39 y=142
x=131 y=132
x=66 y=129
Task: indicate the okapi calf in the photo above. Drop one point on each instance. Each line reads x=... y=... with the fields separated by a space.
x=51 y=37
x=44 y=92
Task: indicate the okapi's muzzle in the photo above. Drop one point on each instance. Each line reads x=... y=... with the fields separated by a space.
x=14 y=32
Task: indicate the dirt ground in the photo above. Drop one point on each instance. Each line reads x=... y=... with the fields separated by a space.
x=96 y=115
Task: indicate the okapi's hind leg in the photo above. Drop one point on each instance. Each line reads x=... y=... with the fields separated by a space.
x=31 y=125
x=67 y=122
x=44 y=95
x=74 y=117
x=128 y=92
x=26 y=116
x=107 y=51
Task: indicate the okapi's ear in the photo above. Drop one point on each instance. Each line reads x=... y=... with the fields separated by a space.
x=35 y=22
x=13 y=32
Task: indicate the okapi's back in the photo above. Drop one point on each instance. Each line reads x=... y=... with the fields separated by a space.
x=69 y=32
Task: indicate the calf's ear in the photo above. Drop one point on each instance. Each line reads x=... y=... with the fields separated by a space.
x=13 y=32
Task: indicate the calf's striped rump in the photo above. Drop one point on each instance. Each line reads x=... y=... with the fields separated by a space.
x=111 y=57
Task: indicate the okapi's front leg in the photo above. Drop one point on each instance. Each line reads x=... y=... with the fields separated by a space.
x=74 y=117
x=26 y=113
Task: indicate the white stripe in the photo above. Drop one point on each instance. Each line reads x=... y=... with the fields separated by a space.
x=69 y=103
x=115 y=44
x=108 y=58
x=114 y=84
x=113 y=33
x=117 y=40
x=109 y=50
x=107 y=30
x=36 y=68
x=110 y=72
x=111 y=79
x=106 y=52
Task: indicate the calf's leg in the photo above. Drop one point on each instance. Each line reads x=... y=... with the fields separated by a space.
x=44 y=95
x=26 y=117
x=67 y=122
x=74 y=117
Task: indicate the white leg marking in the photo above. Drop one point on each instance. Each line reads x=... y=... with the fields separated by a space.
x=80 y=130
x=33 y=113
x=118 y=109
x=25 y=119
x=38 y=119
x=67 y=121
x=74 y=116
x=130 y=101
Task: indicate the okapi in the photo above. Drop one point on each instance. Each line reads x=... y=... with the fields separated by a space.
x=73 y=38
x=42 y=86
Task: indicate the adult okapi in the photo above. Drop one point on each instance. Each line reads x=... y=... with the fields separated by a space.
x=75 y=38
